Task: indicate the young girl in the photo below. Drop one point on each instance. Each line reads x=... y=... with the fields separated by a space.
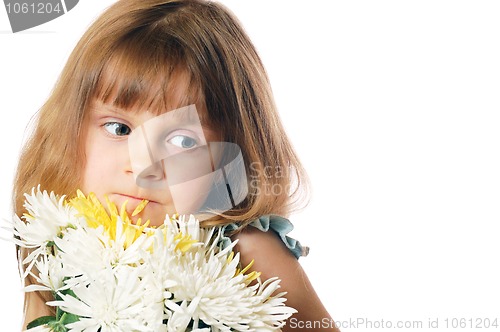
x=186 y=68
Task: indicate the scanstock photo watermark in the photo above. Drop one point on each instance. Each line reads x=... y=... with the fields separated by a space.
x=463 y=323
x=269 y=172
x=26 y=14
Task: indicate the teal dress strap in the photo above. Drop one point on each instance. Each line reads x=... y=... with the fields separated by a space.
x=281 y=226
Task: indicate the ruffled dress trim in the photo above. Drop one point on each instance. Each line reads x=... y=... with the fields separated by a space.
x=277 y=224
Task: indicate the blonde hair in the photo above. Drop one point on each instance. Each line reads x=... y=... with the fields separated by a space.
x=132 y=56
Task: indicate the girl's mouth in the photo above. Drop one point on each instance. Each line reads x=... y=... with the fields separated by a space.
x=133 y=199
x=134 y=205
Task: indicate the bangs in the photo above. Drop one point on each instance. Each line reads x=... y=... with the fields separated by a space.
x=140 y=74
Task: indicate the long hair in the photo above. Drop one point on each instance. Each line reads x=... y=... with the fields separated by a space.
x=131 y=56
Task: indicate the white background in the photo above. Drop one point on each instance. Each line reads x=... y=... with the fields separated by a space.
x=393 y=107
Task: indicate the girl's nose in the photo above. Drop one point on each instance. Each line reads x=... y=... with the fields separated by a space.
x=153 y=176
x=148 y=167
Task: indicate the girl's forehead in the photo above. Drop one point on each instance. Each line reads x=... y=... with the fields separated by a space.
x=151 y=82
x=127 y=96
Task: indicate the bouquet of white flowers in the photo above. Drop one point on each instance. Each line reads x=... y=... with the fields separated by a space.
x=109 y=274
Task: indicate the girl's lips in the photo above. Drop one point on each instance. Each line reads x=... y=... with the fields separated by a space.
x=131 y=197
x=132 y=202
x=134 y=198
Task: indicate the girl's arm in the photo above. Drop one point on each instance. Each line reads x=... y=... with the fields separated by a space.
x=273 y=259
x=35 y=308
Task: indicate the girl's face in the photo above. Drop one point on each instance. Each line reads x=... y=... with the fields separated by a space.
x=137 y=155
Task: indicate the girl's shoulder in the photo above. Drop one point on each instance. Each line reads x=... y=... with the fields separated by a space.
x=266 y=245
x=270 y=225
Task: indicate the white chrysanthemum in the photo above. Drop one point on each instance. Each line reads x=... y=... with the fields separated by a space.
x=207 y=287
x=50 y=274
x=49 y=209
x=158 y=263
x=113 y=302
x=209 y=291
x=47 y=217
x=189 y=225
x=117 y=276
x=86 y=251
x=156 y=279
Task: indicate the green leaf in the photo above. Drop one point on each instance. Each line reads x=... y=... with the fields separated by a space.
x=64 y=319
x=57 y=327
x=44 y=320
x=68 y=318
x=69 y=292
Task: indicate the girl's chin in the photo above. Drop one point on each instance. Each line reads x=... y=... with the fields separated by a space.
x=155 y=219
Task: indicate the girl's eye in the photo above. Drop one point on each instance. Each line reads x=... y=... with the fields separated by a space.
x=117 y=128
x=183 y=141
